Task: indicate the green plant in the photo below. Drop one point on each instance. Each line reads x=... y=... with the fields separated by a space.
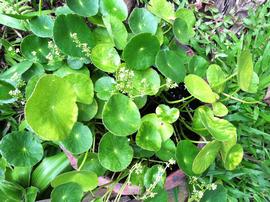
x=75 y=100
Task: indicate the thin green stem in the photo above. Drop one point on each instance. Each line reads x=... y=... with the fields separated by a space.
x=242 y=101
x=225 y=80
x=84 y=159
x=39 y=7
x=178 y=101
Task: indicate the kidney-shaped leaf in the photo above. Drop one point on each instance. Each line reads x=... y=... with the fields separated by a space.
x=121 y=116
x=220 y=129
x=215 y=78
x=167 y=150
x=71 y=39
x=141 y=20
x=51 y=111
x=35 y=49
x=79 y=140
x=206 y=157
x=167 y=114
x=171 y=65
x=21 y=149
x=42 y=26
x=83 y=87
x=114 y=152
x=148 y=137
x=117 y=31
x=141 y=50
x=116 y=8
x=245 y=70
x=105 y=57
x=186 y=152
x=182 y=31
x=234 y=157
x=145 y=82
x=84 y=8
x=198 y=87
x=88 y=180
x=69 y=192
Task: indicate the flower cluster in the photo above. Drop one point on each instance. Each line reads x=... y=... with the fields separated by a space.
x=123 y=78
x=54 y=54
x=161 y=171
x=170 y=84
x=199 y=187
x=83 y=46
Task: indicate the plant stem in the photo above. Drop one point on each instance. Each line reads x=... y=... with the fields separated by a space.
x=242 y=101
x=84 y=159
x=178 y=101
x=39 y=7
x=227 y=79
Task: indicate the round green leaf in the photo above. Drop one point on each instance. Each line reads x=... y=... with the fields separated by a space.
x=92 y=164
x=35 y=49
x=162 y=8
x=79 y=140
x=21 y=149
x=171 y=65
x=145 y=82
x=86 y=179
x=219 y=109
x=206 y=157
x=87 y=111
x=167 y=150
x=181 y=30
x=5 y=89
x=141 y=50
x=51 y=110
x=141 y=20
x=187 y=15
x=220 y=129
x=198 y=65
x=69 y=192
x=102 y=36
x=121 y=115
x=82 y=86
x=198 y=88
x=167 y=114
x=234 y=157
x=66 y=70
x=148 y=137
x=164 y=128
x=105 y=57
x=117 y=31
x=140 y=101
x=116 y=8
x=76 y=63
x=105 y=87
x=84 y=8
x=114 y=153
x=215 y=78
x=71 y=39
x=245 y=70
x=185 y=159
x=42 y=26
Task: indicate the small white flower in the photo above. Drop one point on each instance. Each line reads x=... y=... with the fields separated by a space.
x=34 y=53
x=171 y=161
x=200 y=194
x=213 y=186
